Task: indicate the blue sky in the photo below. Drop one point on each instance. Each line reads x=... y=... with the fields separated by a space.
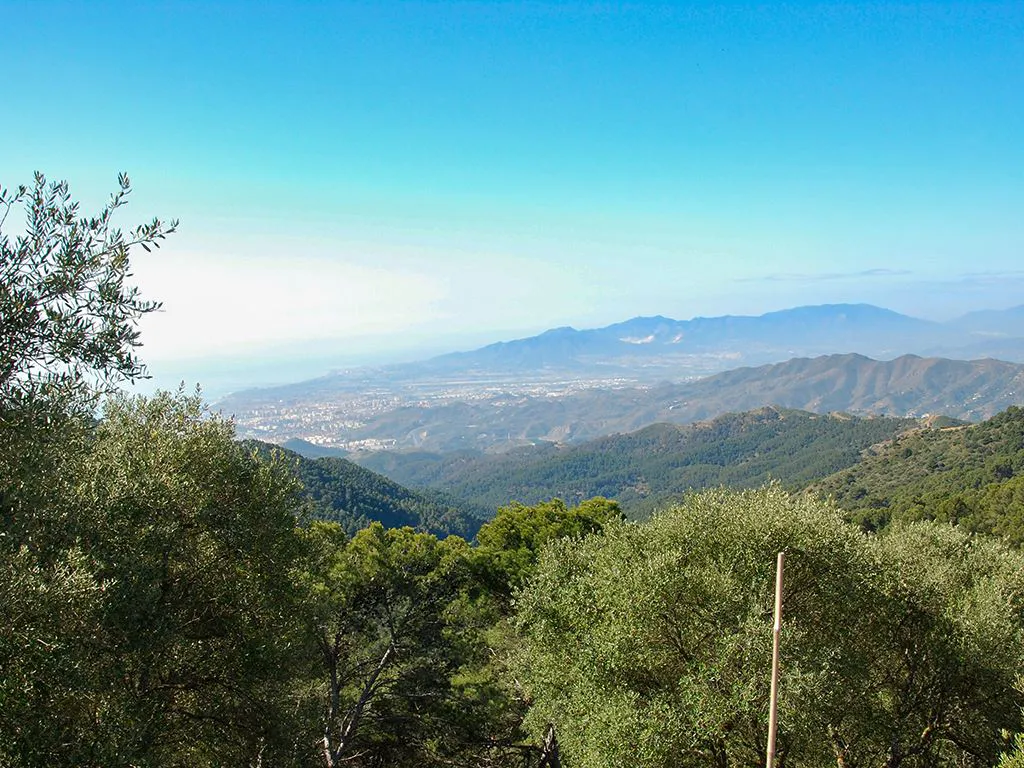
x=394 y=178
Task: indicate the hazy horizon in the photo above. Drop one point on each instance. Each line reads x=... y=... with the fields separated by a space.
x=279 y=365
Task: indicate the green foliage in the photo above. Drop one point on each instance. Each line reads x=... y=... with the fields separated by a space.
x=650 y=645
x=413 y=637
x=156 y=577
x=511 y=543
x=970 y=475
x=402 y=680
x=68 y=319
x=505 y=560
x=48 y=616
x=644 y=470
x=355 y=497
x=197 y=542
x=1015 y=758
x=946 y=652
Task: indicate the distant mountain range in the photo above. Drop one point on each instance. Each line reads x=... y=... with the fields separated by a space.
x=567 y=385
x=703 y=344
x=660 y=348
x=908 y=386
x=1005 y=323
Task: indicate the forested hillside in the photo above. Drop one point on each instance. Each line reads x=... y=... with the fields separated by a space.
x=354 y=497
x=970 y=475
x=643 y=469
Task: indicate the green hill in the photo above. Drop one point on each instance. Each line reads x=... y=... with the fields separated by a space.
x=970 y=475
x=355 y=497
x=645 y=469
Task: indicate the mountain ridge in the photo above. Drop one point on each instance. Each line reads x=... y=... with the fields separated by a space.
x=812 y=328
x=909 y=386
x=354 y=496
x=566 y=385
x=976 y=334
x=972 y=475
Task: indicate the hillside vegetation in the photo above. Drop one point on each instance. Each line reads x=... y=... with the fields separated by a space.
x=649 y=646
x=643 y=469
x=354 y=497
x=971 y=475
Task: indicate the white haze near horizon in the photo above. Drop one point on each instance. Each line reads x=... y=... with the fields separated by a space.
x=230 y=323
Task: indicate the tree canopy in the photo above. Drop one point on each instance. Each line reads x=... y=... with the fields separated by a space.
x=650 y=644
x=152 y=615
x=69 y=318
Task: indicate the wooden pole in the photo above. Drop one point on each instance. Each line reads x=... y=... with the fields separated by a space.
x=776 y=631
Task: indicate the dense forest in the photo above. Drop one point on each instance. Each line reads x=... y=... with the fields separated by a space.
x=642 y=470
x=169 y=597
x=972 y=475
x=354 y=497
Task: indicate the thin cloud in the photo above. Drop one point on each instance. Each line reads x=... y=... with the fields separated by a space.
x=981 y=277
x=813 y=277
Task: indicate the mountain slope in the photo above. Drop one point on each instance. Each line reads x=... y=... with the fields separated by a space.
x=642 y=468
x=1007 y=323
x=972 y=475
x=354 y=496
x=908 y=386
x=572 y=385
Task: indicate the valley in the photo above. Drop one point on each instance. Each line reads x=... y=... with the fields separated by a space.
x=569 y=386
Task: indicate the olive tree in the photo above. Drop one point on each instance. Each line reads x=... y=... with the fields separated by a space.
x=67 y=333
x=170 y=604
x=68 y=316
x=147 y=610
x=650 y=645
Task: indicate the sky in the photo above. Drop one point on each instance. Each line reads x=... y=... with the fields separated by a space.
x=387 y=180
